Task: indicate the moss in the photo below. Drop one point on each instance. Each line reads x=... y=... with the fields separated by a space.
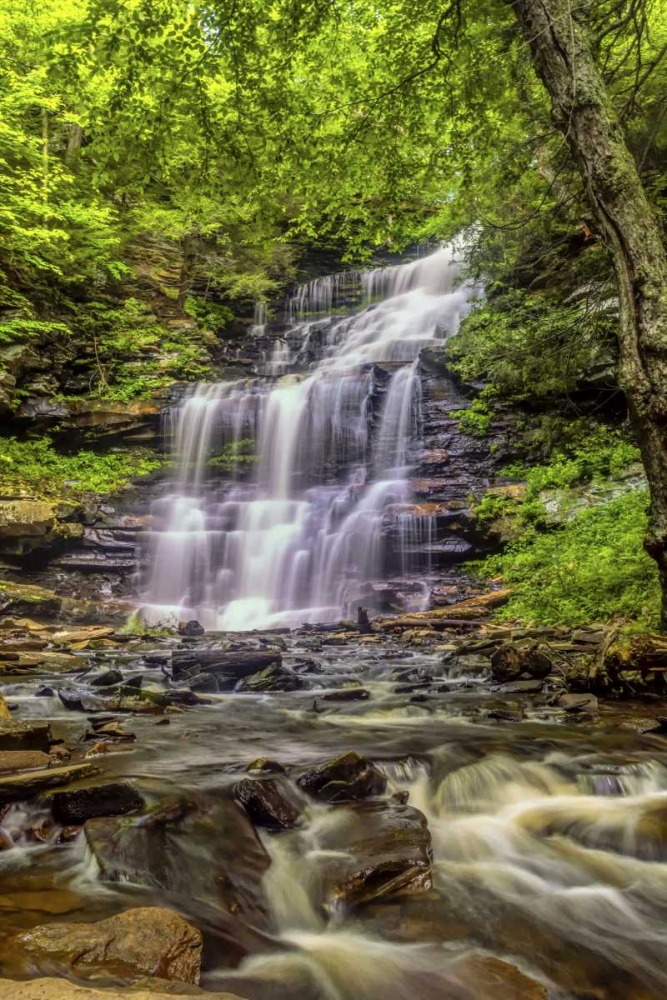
x=35 y=465
x=477 y=420
x=591 y=568
x=584 y=561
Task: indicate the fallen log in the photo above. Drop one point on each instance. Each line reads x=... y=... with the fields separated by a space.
x=474 y=609
x=437 y=624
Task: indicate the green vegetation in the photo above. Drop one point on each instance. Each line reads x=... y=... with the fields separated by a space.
x=134 y=356
x=591 y=569
x=35 y=465
x=166 y=163
x=583 y=564
x=477 y=419
x=234 y=454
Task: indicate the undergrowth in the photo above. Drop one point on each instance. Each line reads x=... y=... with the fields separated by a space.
x=591 y=565
x=37 y=466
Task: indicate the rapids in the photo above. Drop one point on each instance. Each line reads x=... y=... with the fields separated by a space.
x=332 y=442
x=549 y=842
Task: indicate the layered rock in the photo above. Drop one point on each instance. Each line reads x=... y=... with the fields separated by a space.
x=147 y=941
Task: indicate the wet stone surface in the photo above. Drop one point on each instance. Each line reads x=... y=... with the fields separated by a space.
x=513 y=832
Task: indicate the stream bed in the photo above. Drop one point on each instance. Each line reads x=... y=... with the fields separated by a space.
x=467 y=825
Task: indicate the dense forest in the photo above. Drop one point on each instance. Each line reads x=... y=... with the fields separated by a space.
x=167 y=166
x=333 y=499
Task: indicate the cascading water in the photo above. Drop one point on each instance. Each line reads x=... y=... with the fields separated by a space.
x=332 y=457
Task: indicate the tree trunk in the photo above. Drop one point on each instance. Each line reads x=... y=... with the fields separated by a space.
x=582 y=110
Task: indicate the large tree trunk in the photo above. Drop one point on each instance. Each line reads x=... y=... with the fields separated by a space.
x=562 y=53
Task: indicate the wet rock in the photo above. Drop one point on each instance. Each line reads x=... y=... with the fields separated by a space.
x=382 y=849
x=106 y=679
x=5 y=714
x=411 y=688
x=226 y=667
x=145 y=941
x=61 y=989
x=80 y=700
x=28 y=524
x=20 y=786
x=81 y=636
x=344 y=779
x=17 y=735
x=273 y=678
x=347 y=694
x=521 y=687
x=267 y=766
x=54 y=901
x=268 y=803
x=26 y=599
x=504 y=715
x=191 y=628
x=77 y=805
x=493 y=979
x=163 y=850
x=513 y=659
x=306 y=667
x=110 y=729
x=576 y=703
x=21 y=760
x=208 y=683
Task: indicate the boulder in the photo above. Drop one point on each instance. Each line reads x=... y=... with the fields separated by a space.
x=379 y=850
x=347 y=694
x=492 y=978
x=163 y=850
x=76 y=805
x=21 y=786
x=191 y=628
x=61 y=989
x=146 y=941
x=106 y=679
x=273 y=678
x=267 y=803
x=25 y=599
x=24 y=735
x=578 y=703
x=22 y=760
x=343 y=779
x=511 y=660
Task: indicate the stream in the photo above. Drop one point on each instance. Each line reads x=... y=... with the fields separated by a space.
x=548 y=836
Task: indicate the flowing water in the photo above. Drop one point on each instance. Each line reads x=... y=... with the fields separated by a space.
x=549 y=841
x=330 y=450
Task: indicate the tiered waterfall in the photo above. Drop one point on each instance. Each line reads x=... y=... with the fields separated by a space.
x=332 y=427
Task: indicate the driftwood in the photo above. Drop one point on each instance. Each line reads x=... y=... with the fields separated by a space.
x=437 y=624
x=473 y=610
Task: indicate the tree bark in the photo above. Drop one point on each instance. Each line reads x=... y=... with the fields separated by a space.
x=562 y=53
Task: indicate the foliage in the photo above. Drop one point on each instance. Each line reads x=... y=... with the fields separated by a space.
x=132 y=354
x=477 y=419
x=593 y=452
x=592 y=568
x=493 y=506
x=529 y=346
x=36 y=465
x=233 y=454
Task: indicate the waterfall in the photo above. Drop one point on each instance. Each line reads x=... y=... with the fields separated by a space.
x=297 y=539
